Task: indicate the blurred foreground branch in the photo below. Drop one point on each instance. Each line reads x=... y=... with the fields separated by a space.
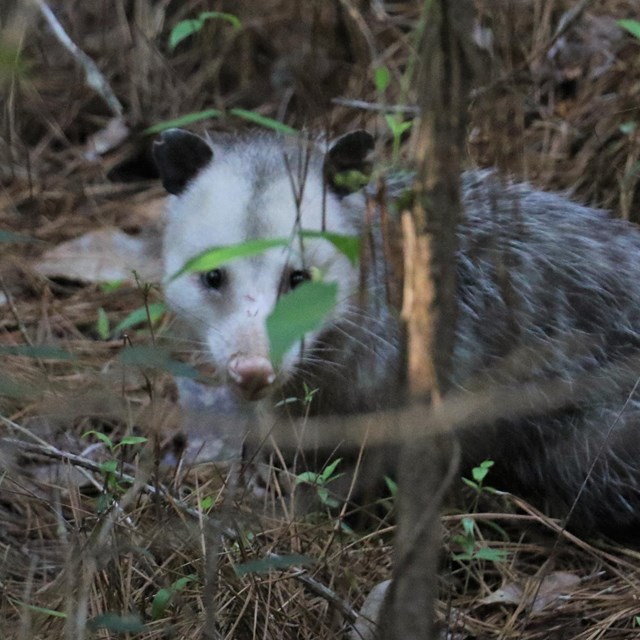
x=430 y=311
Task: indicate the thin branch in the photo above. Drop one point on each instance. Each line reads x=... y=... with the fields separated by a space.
x=94 y=76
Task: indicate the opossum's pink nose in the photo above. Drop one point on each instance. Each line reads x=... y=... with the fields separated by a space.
x=252 y=375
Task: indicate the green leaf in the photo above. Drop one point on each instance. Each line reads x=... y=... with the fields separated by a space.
x=164 y=596
x=127 y=623
x=109 y=466
x=632 y=26
x=392 y=486
x=185 y=28
x=468 y=526
x=181 y=583
x=160 y=602
x=297 y=313
x=145 y=356
x=43 y=352
x=49 y=612
x=493 y=555
x=326 y=499
x=217 y=256
x=112 y=285
x=266 y=565
x=102 y=325
x=229 y=17
x=382 y=78
x=471 y=483
x=183 y=121
x=206 y=503
x=139 y=316
x=396 y=124
x=329 y=470
x=307 y=477
x=263 y=121
x=17 y=238
x=105 y=439
x=480 y=472
x=128 y=440
x=103 y=503
x=627 y=127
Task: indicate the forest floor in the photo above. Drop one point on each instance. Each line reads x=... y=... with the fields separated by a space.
x=111 y=520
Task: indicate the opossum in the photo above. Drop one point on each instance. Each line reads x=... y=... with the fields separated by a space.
x=548 y=291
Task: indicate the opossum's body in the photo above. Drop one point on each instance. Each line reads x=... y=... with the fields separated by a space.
x=548 y=291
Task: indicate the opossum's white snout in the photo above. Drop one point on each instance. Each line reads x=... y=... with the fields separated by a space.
x=252 y=376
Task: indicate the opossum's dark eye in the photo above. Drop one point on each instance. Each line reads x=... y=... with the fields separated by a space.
x=296 y=278
x=212 y=279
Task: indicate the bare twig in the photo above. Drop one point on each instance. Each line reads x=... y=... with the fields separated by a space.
x=95 y=79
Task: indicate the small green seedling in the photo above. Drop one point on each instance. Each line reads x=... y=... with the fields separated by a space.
x=109 y=468
x=467 y=539
x=397 y=125
x=382 y=79
x=150 y=313
x=102 y=325
x=308 y=393
x=110 y=444
x=388 y=502
x=164 y=597
x=320 y=482
x=186 y=28
x=479 y=474
x=470 y=549
x=111 y=286
x=392 y=486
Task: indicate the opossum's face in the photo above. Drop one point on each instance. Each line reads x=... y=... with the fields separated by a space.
x=255 y=188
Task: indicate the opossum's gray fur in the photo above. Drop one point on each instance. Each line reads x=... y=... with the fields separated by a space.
x=547 y=290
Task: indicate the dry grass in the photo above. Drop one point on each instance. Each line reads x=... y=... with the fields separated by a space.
x=76 y=544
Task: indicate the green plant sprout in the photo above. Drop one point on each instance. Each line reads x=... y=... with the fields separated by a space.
x=397 y=125
x=102 y=325
x=467 y=539
x=186 y=28
x=470 y=546
x=151 y=312
x=164 y=597
x=320 y=482
x=109 y=468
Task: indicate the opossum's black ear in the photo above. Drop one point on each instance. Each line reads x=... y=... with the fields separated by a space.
x=180 y=155
x=348 y=163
